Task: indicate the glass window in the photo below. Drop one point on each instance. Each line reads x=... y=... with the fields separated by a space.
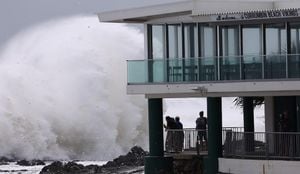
x=156 y=67
x=252 y=51
x=230 y=41
x=207 y=63
x=294 y=58
x=230 y=50
x=190 y=40
x=276 y=48
x=275 y=39
x=252 y=40
x=175 y=41
x=295 y=38
x=190 y=43
x=158 y=41
x=175 y=53
x=208 y=41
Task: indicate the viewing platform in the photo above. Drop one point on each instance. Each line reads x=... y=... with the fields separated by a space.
x=239 y=144
x=242 y=151
x=255 y=75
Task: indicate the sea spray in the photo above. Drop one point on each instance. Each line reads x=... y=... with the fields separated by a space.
x=63 y=91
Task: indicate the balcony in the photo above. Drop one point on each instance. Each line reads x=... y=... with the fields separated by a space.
x=237 y=144
x=251 y=75
x=213 y=69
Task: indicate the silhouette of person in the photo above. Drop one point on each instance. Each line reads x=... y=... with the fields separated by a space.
x=201 y=126
x=179 y=135
x=171 y=125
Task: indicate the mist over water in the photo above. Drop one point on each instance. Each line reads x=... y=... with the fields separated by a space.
x=63 y=91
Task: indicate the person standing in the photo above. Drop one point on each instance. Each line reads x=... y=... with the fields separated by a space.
x=201 y=126
x=179 y=135
x=170 y=139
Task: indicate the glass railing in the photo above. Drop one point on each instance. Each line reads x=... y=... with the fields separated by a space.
x=213 y=69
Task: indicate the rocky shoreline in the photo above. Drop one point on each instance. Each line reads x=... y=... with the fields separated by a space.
x=131 y=163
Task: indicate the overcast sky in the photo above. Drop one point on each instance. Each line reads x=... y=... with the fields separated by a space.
x=16 y=15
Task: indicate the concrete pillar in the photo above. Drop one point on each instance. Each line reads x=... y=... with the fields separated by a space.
x=155 y=118
x=248 y=111
x=269 y=122
x=269 y=114
x=214 y=116
x=156 y=162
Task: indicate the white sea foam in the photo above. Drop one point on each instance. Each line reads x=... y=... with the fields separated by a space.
x=63 y=91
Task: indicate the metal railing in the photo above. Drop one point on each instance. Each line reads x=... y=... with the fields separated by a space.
x=179 y=140
x=237 y=143
x=234 y=129
x=266 y=145
x=191 y=139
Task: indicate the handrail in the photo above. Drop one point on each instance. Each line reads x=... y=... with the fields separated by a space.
x=262 y=145
x=179 y=140
x=237 y=143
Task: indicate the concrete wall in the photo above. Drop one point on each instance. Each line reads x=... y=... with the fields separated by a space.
x=242 y=166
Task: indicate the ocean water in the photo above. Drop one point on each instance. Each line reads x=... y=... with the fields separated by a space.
x=13 y=168
x=63 y=91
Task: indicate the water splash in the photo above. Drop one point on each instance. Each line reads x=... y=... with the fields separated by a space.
x=63 y=91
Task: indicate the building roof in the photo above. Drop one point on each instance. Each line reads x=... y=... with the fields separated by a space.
x=194 y=8
x=143 y=14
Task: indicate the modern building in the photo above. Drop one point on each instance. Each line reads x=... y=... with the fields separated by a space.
x=223 y=48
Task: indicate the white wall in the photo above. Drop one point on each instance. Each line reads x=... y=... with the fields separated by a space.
x=224 y=6
x=242 y=166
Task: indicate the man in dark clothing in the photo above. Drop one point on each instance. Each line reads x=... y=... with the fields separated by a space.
x=179 y=124
x=170 y=139
x=179 y=135
x=201 y=126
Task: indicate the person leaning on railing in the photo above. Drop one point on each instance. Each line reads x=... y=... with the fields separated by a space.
x=170 y=141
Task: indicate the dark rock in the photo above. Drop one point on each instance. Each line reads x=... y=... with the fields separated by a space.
x=133 y=158
x=95 y=168
x=13 y=171
x=30 y=163
x=122 y=164
x=5 y=159
x=70 y=168
x=4 y=163
x=55 y=167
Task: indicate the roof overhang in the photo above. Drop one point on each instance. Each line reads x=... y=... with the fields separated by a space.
x=143 y=14
x=192 y=10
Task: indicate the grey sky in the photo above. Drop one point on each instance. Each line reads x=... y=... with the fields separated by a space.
x=16 y=15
